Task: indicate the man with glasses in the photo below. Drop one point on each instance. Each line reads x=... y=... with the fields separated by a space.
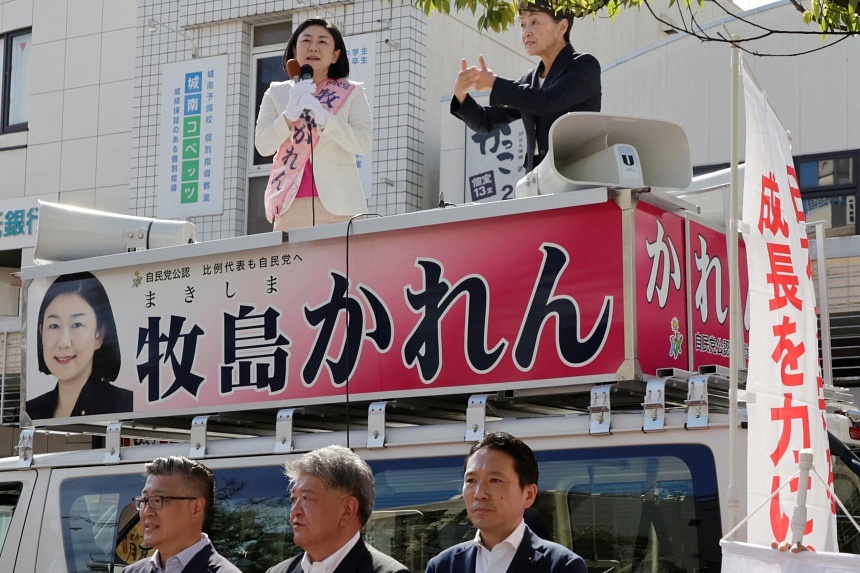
x=175 y=502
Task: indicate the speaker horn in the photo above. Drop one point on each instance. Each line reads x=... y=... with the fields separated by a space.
x=589 y=149
x=68 y=233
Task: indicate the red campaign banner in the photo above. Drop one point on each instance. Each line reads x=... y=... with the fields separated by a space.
x=514 y=301
x=661 y=290
x=709 y=296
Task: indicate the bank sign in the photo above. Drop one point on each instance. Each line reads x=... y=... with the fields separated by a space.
x=478 y=303
x=19 y=221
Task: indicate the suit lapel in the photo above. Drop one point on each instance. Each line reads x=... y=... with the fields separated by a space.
x=466 y=559
x=558 y=64
x=527 y=556
x=295 y=566
x=353 y=561
x=200 y=561
x=536 y=75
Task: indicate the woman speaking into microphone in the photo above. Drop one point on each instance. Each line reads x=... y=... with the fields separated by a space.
x=315 y=123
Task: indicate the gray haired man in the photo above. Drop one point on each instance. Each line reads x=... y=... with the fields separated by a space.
x=332 y=494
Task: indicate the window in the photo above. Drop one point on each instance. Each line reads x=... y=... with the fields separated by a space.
x=621 y=509
x=15 y=81
x=846 y=484
x=248 y=525
x=251 y=521
x=830 y=190
x=617 y=507
x=9 y=495
x=268 y=66
x=629 y=509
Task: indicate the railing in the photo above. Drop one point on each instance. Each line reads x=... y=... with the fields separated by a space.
x=10 y=400
x=10 y=379
x=843 y=302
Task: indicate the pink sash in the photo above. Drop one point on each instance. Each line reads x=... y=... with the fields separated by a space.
x=289 y=163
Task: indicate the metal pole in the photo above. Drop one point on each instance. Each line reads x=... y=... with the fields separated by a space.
x=736 y=340
x=823 y=306
x=798 y=518
x=3 y=378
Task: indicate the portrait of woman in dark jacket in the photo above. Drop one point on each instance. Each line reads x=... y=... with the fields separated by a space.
x=77 y=343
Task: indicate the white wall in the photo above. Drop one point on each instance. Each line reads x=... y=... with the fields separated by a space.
x=632 y=29
x=687 y=81
x=78 y=145
x=77 y=148
x=454 y=37
x=450 y=39
x=81 y=147
x=647 y=72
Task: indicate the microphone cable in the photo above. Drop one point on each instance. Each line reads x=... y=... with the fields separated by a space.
x=346 y=319
x=314 y=192
x=298 y=73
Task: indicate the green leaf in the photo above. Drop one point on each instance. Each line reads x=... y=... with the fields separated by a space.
x=500 y=15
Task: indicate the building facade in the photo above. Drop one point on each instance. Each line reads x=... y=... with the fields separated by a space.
x=83 y=107
x=83 y=110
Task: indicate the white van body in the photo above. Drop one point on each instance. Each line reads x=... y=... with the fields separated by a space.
x=618 y=499
x=634 y=463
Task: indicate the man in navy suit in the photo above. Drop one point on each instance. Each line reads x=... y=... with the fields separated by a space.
x=176 y=499
x=332 y=495
x=499 y=484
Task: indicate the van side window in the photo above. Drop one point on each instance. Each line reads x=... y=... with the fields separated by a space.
x=650 y=508
x=92 y=508
x=9 y=495
x=846 y=484
x=248 y=525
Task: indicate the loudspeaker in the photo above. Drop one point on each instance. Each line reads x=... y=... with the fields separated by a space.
x=589 y=149
x=68 y=233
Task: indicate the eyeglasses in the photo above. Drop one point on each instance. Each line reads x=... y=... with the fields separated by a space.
x=155 y=502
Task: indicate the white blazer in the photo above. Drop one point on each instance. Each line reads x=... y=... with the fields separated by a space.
x=346 y=133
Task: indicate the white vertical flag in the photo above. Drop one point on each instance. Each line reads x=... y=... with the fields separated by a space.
x=785 y=405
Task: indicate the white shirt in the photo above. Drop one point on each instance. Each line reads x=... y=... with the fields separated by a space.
x=177 y=563
x=330 y=563
x=499 y=558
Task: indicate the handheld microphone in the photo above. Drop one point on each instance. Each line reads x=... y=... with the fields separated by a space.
x=307 y=74
x=298 y=73
x=294 y=70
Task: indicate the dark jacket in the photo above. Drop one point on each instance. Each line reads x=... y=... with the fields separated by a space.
x=572 y=84
x=96 y=398
x=361 y=559
x=534 y=555
x=206 y=561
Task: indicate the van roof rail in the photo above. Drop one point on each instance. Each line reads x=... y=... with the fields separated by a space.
x=626 y=395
